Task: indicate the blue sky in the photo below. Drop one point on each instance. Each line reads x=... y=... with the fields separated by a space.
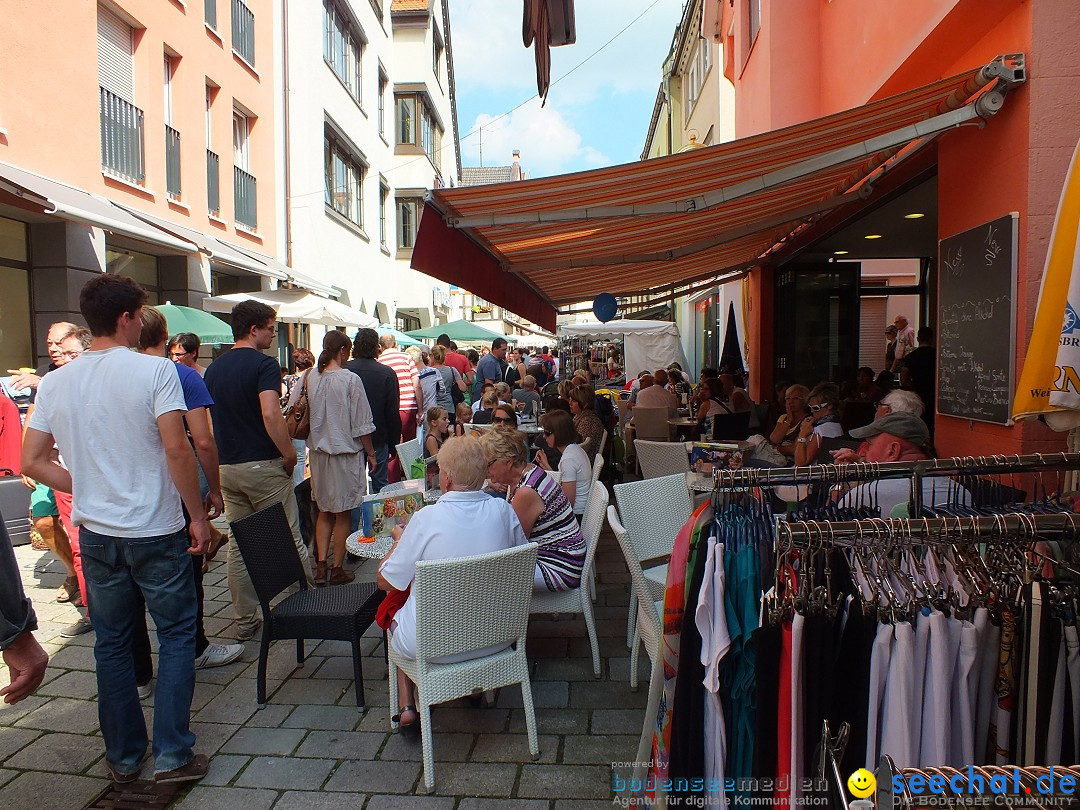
x=597 y=116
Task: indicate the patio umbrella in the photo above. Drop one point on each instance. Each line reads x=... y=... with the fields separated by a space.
x=403 y=340
x=461 y=331
x=296 y=306
x=209 y=328
x=1050 y=381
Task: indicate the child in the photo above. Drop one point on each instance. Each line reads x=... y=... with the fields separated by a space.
x=464 y=416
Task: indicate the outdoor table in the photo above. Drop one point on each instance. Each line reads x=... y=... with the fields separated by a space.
x=377 y=549
x=683 y=425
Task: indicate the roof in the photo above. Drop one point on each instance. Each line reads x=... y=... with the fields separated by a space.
x=408 y=6
x=479 y=175
x=643 y=227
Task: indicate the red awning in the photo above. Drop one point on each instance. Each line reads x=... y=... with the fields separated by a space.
x=534 y=245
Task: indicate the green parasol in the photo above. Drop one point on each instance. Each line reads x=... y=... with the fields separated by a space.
x=461 y=331
x=209 y=328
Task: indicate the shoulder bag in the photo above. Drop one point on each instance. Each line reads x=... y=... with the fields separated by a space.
x=298 y=414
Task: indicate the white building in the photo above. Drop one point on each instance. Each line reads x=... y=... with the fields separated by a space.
x=370 y=126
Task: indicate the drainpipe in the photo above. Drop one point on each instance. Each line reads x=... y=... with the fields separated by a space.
x=285 y=147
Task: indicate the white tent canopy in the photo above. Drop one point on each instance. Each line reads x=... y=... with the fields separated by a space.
x=296 y=306
x=646 y=344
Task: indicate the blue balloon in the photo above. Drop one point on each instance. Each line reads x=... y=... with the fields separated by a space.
x=604 y=307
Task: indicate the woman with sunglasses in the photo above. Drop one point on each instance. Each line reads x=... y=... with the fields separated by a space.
x=184 y=349
x=541 y=506
x=504 y=414
x=575 y=471
x=787 y=428
x=823 y=423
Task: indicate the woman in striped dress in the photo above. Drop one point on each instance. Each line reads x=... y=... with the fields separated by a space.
x=542 y=507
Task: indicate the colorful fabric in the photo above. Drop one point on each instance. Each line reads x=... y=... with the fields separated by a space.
x=405 y=369
x=42 y=503
x=561 y=546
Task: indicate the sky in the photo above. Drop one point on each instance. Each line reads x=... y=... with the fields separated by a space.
x=597 y=116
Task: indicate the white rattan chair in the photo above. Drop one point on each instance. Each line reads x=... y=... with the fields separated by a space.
x=578 y=600
x=597 y=468
x=407 y=453
x=658 y=459
x=652 y=511
x=650 y=630
x=603 y=444
x=466 y=604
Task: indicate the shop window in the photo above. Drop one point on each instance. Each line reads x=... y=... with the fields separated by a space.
x=13 y=240
x=16 y=332
x=140 y=266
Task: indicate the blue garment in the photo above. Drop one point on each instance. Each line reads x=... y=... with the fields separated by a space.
x=196 y=394
x=117 y=569
x=379 y=479
x=489 y=368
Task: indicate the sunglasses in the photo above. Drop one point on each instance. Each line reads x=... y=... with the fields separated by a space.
x=502 y=420
x=816 y=408
x=547 y=433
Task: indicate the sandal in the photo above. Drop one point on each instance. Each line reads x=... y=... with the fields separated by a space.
x=69 y=591
x=412 y=727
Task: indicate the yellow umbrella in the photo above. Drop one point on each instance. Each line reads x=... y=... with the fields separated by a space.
x=1050 y=381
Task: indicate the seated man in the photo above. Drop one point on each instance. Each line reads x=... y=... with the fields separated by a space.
x=897 y=437
x=464 y=522
x=526 y=399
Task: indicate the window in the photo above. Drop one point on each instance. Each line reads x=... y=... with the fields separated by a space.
x=754 y=18
x=383 y=82
x=210 y=13
x=123 y=148
x=436 y=65
x=413 y=112
x=209 y=119
x=698 y=69
x=408 y=218
x=344 y=179
x=243 y=31
x=172 y=137
x=116 y=55
x=241 y=130
x=343 y=48
x=384 y=194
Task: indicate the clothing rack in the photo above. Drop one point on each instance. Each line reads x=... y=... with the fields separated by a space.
x=748 y=477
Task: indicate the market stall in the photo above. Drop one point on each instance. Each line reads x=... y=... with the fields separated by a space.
x=619 y=349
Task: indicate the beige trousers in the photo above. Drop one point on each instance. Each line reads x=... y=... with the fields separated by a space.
x=247 y=488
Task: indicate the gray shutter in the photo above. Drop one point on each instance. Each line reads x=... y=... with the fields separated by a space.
x=116 y=63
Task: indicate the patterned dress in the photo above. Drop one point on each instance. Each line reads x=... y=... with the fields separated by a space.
x=561 y=553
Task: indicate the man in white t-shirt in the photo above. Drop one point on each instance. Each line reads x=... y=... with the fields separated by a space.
x=116 y=417
x=466 y=521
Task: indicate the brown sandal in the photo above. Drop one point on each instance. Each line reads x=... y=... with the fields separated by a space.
x=69 y=591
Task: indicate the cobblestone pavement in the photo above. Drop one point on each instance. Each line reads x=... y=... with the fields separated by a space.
x=310 y=749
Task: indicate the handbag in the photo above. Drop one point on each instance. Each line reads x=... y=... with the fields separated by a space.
x=298 y=415
x=456 y=394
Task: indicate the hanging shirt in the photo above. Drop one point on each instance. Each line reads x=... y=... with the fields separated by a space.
x=711 y=619
x=875 y=710
x=940 y=690
x=902 y=715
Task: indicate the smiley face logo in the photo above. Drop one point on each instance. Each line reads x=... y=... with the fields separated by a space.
x=861 y=783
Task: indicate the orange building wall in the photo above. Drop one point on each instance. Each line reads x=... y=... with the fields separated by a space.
x=49 y=103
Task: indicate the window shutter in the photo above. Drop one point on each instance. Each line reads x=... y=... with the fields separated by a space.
x=116 y=63
x=872 y=323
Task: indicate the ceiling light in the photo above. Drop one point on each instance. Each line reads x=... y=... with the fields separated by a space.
x=872 y=236
x=840 y=253
x=914 y=216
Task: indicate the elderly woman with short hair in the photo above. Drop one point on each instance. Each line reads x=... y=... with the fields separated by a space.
x=785 y=433
x=464 y=522
x=823 y=423
x=542 y=507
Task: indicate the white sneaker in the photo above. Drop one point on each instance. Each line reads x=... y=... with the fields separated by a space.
x=145 y=691
x=218 y=655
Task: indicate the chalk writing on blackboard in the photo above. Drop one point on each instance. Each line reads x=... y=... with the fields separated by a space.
x=954 y=262
x=990 y=243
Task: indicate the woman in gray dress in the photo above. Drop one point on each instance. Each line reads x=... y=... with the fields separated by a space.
x=341 y=427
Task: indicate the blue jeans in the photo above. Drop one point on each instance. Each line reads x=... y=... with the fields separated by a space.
x=300 y=446
x=378 y=478
x=117 y=570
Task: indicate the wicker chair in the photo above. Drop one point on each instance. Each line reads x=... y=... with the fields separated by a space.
x=407 y=453
x=341 y=613
x=650 y=630
x=652 y=511
x=465 y=604
x=597 y=468
x=578 y=600
x=658 y=459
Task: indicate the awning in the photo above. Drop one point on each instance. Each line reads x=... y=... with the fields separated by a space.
x=639 y=228
x=76 y=205
x=217 y=250
x=295 y=306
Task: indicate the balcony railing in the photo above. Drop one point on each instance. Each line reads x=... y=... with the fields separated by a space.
x=172 y=162
x=122 y=149
x=244 y=208
x=213 y=183
x=210 y=12
x=243 y=31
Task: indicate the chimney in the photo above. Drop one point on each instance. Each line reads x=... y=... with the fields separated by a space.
x=515 y=169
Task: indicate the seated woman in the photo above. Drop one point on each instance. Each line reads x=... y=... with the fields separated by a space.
x=504 y=414
x=464 y=522
x=713 y=403
x=482 y=416
x=586 y=421
x=785 y=433
x=436 y=430
x=574 y=467
x=823 y=423
x=541 y=506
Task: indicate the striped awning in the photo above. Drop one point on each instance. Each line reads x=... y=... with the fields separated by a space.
x=535 y=245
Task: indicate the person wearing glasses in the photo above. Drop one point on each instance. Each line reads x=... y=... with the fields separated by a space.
x=823 y=423
x=255 y=450
x=184 y=349
x=575 y=471
x=787 y=427
x=541 y=506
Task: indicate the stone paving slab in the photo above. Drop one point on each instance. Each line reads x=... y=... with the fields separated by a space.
x=310 y=749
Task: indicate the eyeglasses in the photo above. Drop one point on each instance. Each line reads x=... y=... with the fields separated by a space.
x=177 y=355
x=502 y=420
x=819 y=407
x=493 y=461
x=548 y=433
x=71 y=355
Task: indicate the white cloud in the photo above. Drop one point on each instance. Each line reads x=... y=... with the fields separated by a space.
x=548 y=142
x=489 y=54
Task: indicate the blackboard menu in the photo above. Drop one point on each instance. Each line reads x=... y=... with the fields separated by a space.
x=977 y=321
